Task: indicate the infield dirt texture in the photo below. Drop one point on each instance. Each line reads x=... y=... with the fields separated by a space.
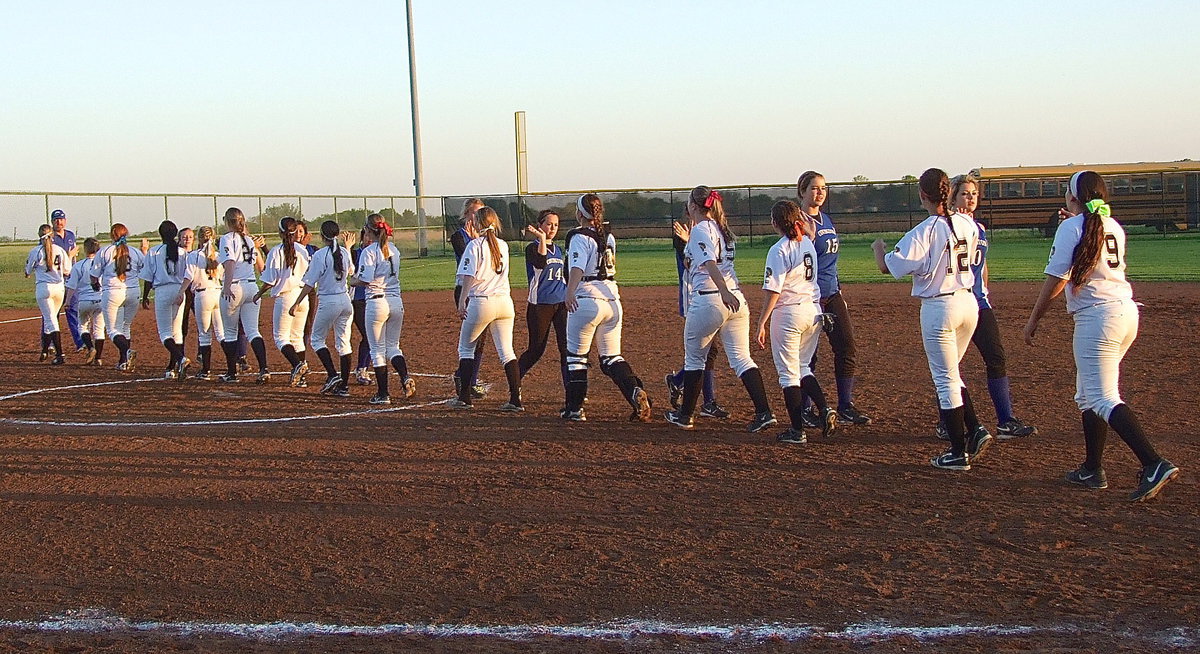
x=429 y=516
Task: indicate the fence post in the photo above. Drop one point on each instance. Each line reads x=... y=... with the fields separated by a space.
x=166 y=209
x=110 y=220
x=216 y=215
x=47 y=201
x=260 y=215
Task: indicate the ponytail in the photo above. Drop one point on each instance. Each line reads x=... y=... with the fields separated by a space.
x=936 y=186
x=713 y=205
x=381 y=231
x=785 y=216
x=330 y=232
x=591 y=208
x=169 y=234
x=119 y=234
x=488 y=223
x=287 y=232
x=1088 y=187
x=235 y=220
x=46 y=234
x=208 y=244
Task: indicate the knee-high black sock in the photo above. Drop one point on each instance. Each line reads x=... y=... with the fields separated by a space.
x=86 y=337
x=1095 y=432
x=577 y=386
x=957 y=428
x=204 y=353
x=381 y=380
x=752 y=380
x=400 y=364
x=346 y=368
x=969 y=417
x=512 y=370
x=122 y=344
x=464 y=375
x=793 y=398
x=691 y=392
x=231 y=357
x=327 y=361
x=45 y=342
x=260 y=352
x=176 y=351
x=289 y=353
x=812 y=388
x=99 y=347
x=1126 y=425
x=56 y=340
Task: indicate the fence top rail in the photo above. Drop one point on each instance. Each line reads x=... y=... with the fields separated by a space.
x=722 y=187
x=339 y=196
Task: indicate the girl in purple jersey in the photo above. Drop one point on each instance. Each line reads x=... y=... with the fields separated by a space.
x=547 y=294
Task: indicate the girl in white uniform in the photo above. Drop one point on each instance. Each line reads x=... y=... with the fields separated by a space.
x=792 y=305
x=50 y=266
x=328 y=271
x=1088 y=259
x=938 y=254
x=486 y=304
x=164 y=272
x=240 y=257
x=716 y=306
x=379 y=271
x=90 y=304
x=117 y=266
x=204 y=275
x=285 y=266
x=595 y=313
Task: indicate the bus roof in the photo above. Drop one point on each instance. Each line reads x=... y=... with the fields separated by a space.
x=1007 y=172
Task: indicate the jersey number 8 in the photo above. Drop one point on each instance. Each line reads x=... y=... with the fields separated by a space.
x=809 y=272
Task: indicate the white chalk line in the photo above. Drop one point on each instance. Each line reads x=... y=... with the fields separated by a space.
x=97 y=621
x=5 y=322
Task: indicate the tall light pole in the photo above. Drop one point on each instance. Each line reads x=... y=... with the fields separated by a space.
x=418 y=183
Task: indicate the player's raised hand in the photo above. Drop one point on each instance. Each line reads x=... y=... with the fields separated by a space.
x=532 y=230
x=682 y=231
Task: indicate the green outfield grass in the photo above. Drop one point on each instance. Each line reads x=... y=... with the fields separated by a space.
x=1014 y=256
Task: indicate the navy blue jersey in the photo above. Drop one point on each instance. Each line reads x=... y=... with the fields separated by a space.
x=827 y=244
x=980 y=288
x=360 y=292
x=680 y=268
x=545 y=274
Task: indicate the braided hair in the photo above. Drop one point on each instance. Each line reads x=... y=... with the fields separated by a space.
x=935 y=185
x=487 y=221
x=287 y=233
x=46 y=236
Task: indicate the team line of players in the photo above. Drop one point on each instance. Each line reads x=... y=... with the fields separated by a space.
x=575 y=291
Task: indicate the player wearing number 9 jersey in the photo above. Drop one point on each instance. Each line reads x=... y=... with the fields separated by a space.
x=938 y=253
x=1088 y=259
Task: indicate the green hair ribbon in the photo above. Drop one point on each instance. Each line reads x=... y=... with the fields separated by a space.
x=1099 y=206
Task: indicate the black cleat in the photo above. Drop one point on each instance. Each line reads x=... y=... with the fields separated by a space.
x=761 y=421
x=948 y=460
x=1152 y=479
x=1094 y=479
x=679 y=420
x=1014 y=428
x=978 y=443
x=792 y=436
x=811 y=417
x=712 y=410
x=853 y=416
x=674 y=391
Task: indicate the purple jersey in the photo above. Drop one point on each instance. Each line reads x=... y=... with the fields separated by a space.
x=827 y=245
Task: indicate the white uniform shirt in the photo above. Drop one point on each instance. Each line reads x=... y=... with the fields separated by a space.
x=60 y=265
x=322 y=276
x=477 y=262
x=792 y=271
x=197 y=272
x=81 y=280
x=381 y=275
x=707 y=243
x=106 y=267
x=159 y=272
x=242 y=252
x=1106 y=282
x=939 y=260
x=583 y=253
x=277 y=272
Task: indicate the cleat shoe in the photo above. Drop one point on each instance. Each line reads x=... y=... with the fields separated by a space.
x=1014 y=428
x=43 y=356
x=641 y=405
x=334 y=383
x=941 y=432
x=761 y=421
x=243 y=365
x=674 y=391
x=1094 y=479
x=713 y=410
x=341 y=391
x=264 y=376
x=129 y=360
x=410 y=387
x=58 y=361
x=80 y=348
x=509 y=407
x=679 y=420
x=298 y=373
x=830 y=424
x=380 y=399
x=477 y=392
x=455 y=403
x=792 y=436
x=574 y=415
x=89 y=357
x=948 y=460
x=853 y=416
x=203 y=375
x=811 y=417
x=226 y=378
x=181 y=368
x=362 y=377
x=170 y=374
x=978 y=443
x=1152 y=479
x=98 y=362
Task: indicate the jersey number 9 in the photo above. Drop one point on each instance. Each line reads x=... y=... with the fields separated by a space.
x=1112 y=251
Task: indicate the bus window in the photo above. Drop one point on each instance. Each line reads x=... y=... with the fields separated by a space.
x=1120 y=185
x=1012 y=189
x=1139 y=184
x=1049 y=188
x=991 y=190
x=1032 y=189
x=1156 y=184
x=1062 y=189
x=1174 y=183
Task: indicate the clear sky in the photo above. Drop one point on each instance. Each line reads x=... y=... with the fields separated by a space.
x=312 y=97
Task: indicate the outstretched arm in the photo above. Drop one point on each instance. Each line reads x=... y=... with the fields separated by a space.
x=1050 y=290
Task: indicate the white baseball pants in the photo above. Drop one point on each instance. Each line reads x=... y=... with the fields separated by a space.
x=1103 y=334
x=947 y=323
x=706 y=317
x=241 y=310
x=289 y=329
x=207 y=309
x=494 y=313
x=91 y=318
x=385 y=322
x=120 y=307
x=336 y=311
x=49 y=300
x=795 y=333
x=597 y=321
x=168 y=312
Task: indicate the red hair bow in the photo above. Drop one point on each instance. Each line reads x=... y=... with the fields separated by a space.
x=712 y=197
x=383 y=227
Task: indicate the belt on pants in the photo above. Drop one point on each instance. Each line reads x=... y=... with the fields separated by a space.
x=594 y=278
x=732 y=290
x=961 y=290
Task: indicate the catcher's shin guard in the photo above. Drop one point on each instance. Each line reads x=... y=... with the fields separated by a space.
x=619 y=370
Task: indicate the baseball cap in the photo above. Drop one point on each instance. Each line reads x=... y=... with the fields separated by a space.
x=58 y=213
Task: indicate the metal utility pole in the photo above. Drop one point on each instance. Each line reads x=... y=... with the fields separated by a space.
x=522 y=161
x=418 y=182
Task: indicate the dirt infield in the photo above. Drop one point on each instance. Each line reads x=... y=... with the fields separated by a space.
x=426 y=516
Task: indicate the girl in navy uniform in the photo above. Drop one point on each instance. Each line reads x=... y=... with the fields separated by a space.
x=547 y=294
x=459 y=240
x=50 y=266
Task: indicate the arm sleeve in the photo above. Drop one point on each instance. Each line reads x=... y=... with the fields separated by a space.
x=1063 y=250
x=31 y=261
x=366 y=267
x=910 y=254
x=702 y=247
x=535 y=258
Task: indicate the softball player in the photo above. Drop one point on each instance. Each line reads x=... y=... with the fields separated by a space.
x=328 y=271
x=791 y=304
x=241 y=259
x=486 y=304
x=164 y=272
x=595 y=313
x=379 y=270
x=813 y=192
x=674 y=379
x=1088 y=259
x=547 y=294
x=938 y=253
x=204 y=276
x=116 y=268
x=965 y=195
x=458 y=240
x=50 y=266
x=362 y=370
x=716 y=306
x=284 y=268
x=89 y=304
x=187 y=239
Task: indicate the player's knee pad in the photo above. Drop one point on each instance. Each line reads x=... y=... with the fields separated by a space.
x=577 y=362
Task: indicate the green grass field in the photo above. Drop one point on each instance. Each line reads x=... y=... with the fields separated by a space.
x=1014 y=256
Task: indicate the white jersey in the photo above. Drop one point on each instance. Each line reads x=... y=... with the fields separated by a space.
x=277 y=273
x=381 y=275
x=60 y=265
x=583 y=252
x=105 y=268
x=81 y=281
x=197 y=272
x=160 y=272
x=477 y=262
x=707 y=243
x=1106 y=282
x=239 y=249
x=938 y=259
x=322 y=276
x=792 y=271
